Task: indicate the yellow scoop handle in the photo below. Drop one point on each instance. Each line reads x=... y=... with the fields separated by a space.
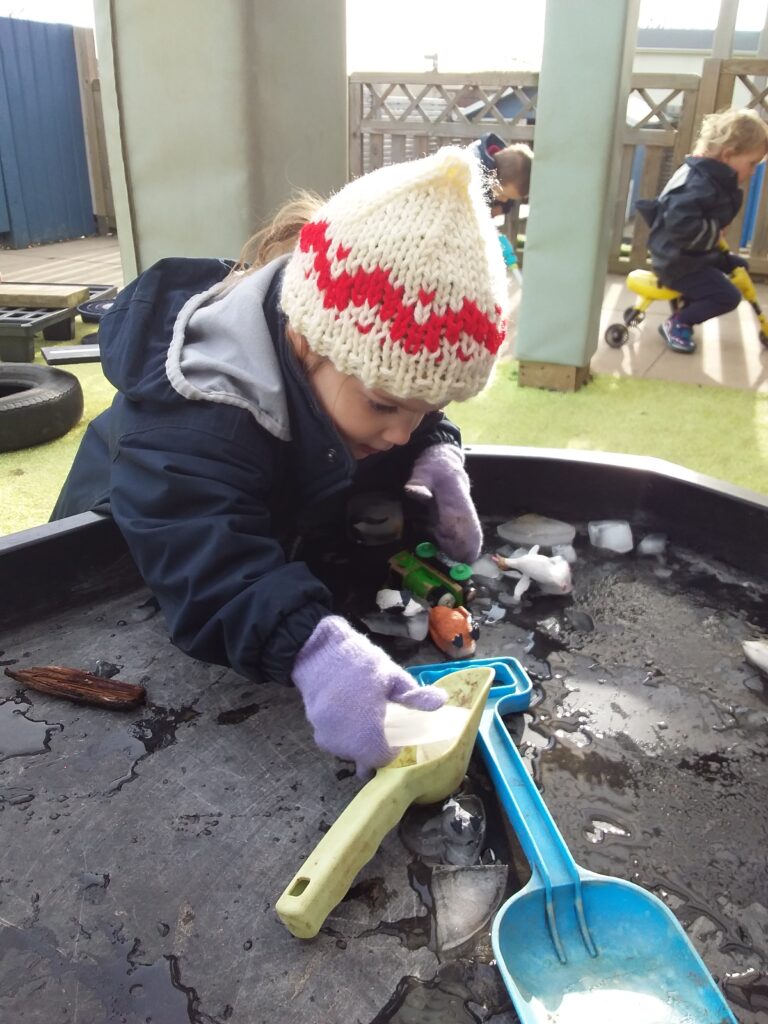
x=325 y=877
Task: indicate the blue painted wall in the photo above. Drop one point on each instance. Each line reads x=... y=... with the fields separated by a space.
x=45 y=194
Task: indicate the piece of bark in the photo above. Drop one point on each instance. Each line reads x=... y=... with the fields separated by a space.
x=79 y=686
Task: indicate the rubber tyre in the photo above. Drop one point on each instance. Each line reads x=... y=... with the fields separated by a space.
x=616 y=335
x=94 y=309
x=37 y=404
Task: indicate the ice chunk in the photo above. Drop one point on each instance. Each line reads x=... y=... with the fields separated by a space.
x=387 y=599
x=451 y=834
x=756 y=652
x=465 y=899
x=566 y=551
x=415 y=627
x=495 y=614
x=486 y=568
x=413 y=607
x=612 y=534
x=463 y=824
x=535 y=529
x=411 y=727
x=652 y=544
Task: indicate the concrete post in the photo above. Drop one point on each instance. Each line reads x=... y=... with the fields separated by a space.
x=214 y=113
x=581 y=114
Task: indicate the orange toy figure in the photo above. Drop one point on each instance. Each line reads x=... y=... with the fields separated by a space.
x=453 y=630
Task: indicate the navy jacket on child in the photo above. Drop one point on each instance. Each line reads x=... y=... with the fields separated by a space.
x=213 y=449
x=700 y=199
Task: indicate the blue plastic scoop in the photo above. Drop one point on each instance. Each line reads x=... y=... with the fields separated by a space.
x=574 y=946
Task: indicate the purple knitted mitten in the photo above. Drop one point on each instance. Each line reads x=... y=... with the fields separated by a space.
x=345 y=682
x=439 y=474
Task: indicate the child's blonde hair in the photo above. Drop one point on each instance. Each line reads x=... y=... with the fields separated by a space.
x=741 y=131
x=280 y=235
x=513 y=167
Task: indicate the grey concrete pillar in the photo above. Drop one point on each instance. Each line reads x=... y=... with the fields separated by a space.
x=581 y=113
x=214 y=113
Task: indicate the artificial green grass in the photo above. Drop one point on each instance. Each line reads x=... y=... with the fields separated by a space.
x=721 y=432
x=717 y=431
x=30 y=479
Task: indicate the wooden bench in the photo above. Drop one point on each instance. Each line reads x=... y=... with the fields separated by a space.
x=27 y=308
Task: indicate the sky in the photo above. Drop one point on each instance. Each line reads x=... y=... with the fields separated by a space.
x=509 y=34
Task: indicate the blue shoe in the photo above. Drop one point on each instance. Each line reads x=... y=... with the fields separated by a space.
x=679 y=337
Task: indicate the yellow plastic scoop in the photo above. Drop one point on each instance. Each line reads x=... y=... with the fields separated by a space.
x=325 y=877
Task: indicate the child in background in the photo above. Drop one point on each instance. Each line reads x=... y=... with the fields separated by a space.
x=249 y=400
x=688 y=218
x=509 y=179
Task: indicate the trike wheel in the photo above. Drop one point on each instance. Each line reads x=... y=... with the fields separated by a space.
x=633 y=317
x=616 y=335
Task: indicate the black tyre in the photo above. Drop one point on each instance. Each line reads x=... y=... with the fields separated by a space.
x=616 y=335
x=37 y=404
x=764 y=339
x=94 y=309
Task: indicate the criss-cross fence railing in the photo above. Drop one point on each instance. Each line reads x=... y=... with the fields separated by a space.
x=393 y=118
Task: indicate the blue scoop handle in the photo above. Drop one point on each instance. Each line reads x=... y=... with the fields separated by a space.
x=553 y=867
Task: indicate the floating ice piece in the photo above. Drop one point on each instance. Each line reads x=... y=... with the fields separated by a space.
x=414 y=627
x=410 y=727
x=465 y=899
x=611 y=534
x=652 y=544
x=552 y=573
x=450 y=834
x=495 y=614
x=756 y=652
x=486 y=568
x=413 y=607
x=463 y=827
x=535 y=529
x=566 y=551
x=387 y=599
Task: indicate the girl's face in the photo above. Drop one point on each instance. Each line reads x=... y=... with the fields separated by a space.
x=368 y=419
x=743 y=163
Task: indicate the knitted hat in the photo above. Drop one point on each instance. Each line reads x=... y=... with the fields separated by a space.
x=399 y=280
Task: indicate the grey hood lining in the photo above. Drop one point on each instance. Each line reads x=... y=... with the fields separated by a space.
x=222 y=351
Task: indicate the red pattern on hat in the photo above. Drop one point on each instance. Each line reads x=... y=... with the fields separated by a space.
x=375 y=288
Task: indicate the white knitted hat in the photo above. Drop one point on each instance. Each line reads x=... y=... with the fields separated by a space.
x=399 y=280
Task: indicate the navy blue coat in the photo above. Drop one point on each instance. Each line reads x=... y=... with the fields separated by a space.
x=700 y=199
x=205 y=497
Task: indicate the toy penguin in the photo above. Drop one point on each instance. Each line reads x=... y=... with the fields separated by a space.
x=453 y=630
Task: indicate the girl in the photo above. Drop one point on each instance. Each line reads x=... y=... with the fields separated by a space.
x=247 y=400
x=687 y=221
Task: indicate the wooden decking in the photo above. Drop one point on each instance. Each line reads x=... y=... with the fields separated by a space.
x=79 y=261
x=729 y=352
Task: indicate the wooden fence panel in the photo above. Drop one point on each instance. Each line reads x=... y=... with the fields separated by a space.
x=93 y=127
x=400 y=118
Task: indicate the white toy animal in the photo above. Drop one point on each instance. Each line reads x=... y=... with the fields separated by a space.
x=552 y=573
